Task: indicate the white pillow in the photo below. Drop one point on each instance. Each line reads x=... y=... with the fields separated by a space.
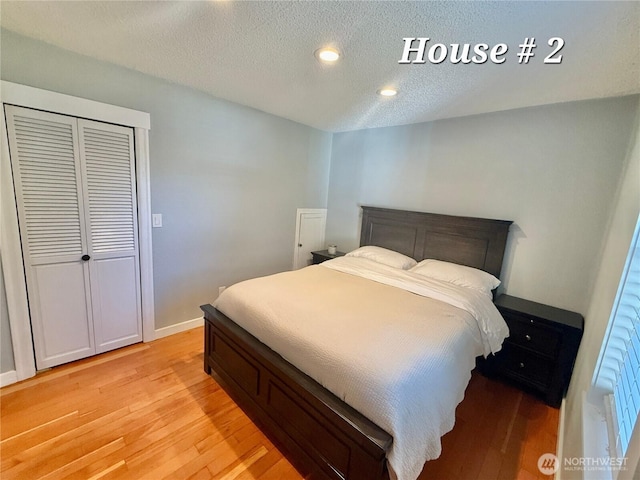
x=457 y=274
x=384 y=256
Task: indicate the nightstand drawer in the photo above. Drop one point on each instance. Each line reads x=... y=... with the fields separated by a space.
x=533 y=334
x=525 y=366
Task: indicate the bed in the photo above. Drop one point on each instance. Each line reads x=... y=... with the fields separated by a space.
x=324 y=435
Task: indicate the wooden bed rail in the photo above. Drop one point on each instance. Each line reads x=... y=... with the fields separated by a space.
x=329 y=438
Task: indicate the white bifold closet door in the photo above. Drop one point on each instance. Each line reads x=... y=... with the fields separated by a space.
x=76 y=196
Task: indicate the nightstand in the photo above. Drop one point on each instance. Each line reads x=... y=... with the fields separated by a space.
x=323 y=256
x=541 y=349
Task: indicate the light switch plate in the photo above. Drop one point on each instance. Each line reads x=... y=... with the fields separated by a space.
x=156 y=220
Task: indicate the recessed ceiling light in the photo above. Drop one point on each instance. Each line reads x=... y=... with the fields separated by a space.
x=387 y=92
x=327 y=54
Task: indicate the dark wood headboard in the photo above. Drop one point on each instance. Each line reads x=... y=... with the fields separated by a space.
x=475 y=242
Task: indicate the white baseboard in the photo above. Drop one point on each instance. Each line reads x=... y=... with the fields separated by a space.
x=7 y=378
x=179 y=327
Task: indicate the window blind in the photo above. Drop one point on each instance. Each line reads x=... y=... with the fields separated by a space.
x=621 y=360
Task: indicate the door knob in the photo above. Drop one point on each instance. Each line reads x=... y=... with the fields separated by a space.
x=85 y=257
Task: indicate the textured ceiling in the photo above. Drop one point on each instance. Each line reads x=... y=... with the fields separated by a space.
x=260 y=54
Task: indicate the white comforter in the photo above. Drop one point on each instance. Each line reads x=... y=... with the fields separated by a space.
x=399 y=349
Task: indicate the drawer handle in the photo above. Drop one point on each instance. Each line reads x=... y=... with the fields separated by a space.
x=528 y=337
x=521 y=365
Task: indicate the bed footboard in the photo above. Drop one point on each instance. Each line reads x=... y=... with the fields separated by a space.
x=321 y=432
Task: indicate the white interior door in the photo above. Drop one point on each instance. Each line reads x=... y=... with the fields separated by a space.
x=46 y=169
x=76 y=198
x=309 y=235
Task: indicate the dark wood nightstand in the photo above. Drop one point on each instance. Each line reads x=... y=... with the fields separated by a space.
x=541 y=349
x=324 y=255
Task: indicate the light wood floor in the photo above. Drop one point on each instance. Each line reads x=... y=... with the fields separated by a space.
x=150 y=411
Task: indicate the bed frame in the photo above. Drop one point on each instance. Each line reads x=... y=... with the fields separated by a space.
x=324 y=437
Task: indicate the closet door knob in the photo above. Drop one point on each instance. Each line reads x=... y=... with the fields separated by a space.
x=85 y=257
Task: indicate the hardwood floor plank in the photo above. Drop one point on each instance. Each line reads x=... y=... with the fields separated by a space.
x=232 y=451
x=76 y=464
x=244 y=465
x=281 y=470
x=150 y=411
x=166 y=461
x=203 y=474
x=512 y=420
x=39 y=428
x=106 y=471
x=169 y=441
x=259 y=468
x=491 y=465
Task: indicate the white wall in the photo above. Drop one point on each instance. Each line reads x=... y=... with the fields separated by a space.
x=553 y=170
x=227 y=179
x=616 y=247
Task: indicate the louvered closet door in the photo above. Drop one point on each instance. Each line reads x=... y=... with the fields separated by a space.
x=108 y=171
x=76 y=196
x=46 y=169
